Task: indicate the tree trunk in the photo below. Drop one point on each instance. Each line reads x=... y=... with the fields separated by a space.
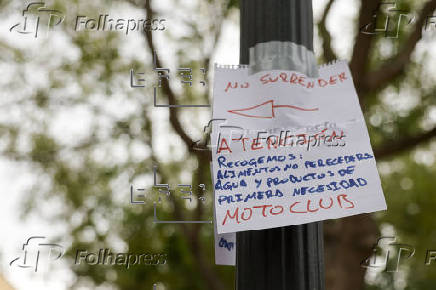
x=348 y=241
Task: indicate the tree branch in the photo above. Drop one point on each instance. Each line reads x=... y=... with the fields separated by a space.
x=405 y=143
x=396 y=66
x=207 y=271
x=192 y=233
x=363 y=43
x=328 y=53
x=173 y=113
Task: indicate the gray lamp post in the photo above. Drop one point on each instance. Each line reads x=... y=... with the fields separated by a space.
x=278 y=34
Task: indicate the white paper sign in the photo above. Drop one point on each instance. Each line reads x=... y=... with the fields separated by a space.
x=290 y=149
x=225 y=244
x=225 y=248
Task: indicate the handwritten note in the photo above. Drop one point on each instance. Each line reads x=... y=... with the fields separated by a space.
x=290 y=149
x=225 y=244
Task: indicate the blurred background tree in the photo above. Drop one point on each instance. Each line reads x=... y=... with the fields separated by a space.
x=69 y=113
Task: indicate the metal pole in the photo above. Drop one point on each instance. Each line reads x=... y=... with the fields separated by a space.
x=278 y=34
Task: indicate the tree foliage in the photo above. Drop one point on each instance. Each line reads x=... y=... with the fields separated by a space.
x=70 y=114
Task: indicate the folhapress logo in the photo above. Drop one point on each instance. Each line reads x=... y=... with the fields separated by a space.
x=106 y=257
x=37 y=15
x=33 y=249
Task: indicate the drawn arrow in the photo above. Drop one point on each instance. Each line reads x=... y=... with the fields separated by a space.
x=265 y=110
